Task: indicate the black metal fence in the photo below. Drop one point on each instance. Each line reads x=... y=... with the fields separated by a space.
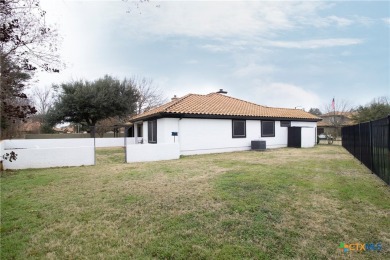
x=369 y=143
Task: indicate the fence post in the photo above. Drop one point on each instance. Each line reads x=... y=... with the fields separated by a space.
x=93 y=129
x=125 y=141
x=371 y=149
x=360 y=144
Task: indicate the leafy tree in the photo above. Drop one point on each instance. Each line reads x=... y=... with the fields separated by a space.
x=378 y=108
x=15 y=106
x=26 y=44
x=315 y=111
x=87 y=102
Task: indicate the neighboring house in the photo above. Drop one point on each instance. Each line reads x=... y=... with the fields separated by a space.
x=333 y=121
x=218 y=123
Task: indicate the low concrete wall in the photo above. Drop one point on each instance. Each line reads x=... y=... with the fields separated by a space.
x=67 y=142
x=60 y=136
x=40 y=153
x=114 y=142
x=152 y=152
x=1 y=148
x=1 y=155
x=46 y=143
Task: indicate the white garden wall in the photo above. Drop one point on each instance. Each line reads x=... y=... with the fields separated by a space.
x=1 y=149
x=42 y=153
x=114 y=142
x=152 y=152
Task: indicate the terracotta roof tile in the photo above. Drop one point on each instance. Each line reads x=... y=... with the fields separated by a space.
x=221 y=105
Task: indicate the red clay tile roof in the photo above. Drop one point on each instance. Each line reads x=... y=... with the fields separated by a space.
x=215 y=104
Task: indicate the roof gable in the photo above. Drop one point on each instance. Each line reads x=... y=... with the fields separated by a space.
x=216 y=104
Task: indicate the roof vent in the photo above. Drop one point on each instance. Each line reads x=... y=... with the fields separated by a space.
x=221 y=91
x=174 y=98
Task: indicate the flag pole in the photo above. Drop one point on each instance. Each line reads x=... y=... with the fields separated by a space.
x=334 y=116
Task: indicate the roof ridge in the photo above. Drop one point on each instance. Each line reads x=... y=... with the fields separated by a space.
x=236 y=99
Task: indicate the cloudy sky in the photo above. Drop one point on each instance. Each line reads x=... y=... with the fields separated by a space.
x=274 y=53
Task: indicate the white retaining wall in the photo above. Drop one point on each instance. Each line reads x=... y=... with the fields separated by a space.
x=66 y=142
x=152 y=152
x=42 y=153
x=114 y=142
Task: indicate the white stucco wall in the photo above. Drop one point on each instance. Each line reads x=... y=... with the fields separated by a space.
x=308 y=136
x=47 y=143
x=308 y=133
x=1 y=149
x=200 y=136
x=145 y=131
x=280 y=139
x=114 y=142
x=43 y=153
x=165 y=127
x=152 y=152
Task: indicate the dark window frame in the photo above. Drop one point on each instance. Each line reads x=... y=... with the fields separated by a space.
x=262 y=129
x=285 y=123
x=140 y=130
x=152 y=131
x=233 y=132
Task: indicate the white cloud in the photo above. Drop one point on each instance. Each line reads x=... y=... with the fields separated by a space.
x=191 y=62
x=253 y=69
x=314 y=44
x=226 y=46
x=321 y=22
x=386 y=20
x=220 y=18
x=340 y=21
x=285 y=95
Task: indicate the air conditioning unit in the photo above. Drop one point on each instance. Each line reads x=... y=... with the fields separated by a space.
x=258 y=145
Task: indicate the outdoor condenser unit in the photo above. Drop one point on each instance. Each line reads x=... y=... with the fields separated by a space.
x=258 y=145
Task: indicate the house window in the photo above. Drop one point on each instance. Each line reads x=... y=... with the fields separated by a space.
x=130 y=131
x=268 y=128
x=285 y=123
x=152 y=131
x=239 y=128
x=139 y=130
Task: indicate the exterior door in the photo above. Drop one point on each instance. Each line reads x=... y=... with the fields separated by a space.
x=294 y=137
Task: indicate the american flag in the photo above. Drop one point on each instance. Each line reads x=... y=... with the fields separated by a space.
x=333 y=107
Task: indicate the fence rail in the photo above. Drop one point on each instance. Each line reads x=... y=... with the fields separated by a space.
x=369 y=143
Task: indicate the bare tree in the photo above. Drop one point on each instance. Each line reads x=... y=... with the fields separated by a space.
x=25 y=38
x=150 y=95
x=105 y=125
x=43 y=99
x=337 y=113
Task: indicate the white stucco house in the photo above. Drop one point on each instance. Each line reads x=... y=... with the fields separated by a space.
x=214 y=123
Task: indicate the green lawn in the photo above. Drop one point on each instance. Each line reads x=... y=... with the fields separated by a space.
x=283 y=203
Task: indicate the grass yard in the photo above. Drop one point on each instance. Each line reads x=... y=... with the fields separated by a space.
x=284 y=203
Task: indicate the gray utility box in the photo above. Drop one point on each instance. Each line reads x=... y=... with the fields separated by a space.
x=258 y=145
